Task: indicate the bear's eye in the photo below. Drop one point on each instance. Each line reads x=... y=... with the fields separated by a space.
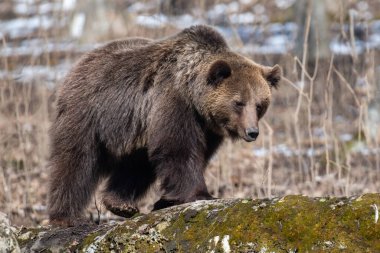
x=239 y=104
x=260 y=110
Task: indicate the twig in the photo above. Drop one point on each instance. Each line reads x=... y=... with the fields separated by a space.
x=328 y=114
x=270 y=159
x=303 y=73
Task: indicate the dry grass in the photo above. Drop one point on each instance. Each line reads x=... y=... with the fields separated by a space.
x=302 y=148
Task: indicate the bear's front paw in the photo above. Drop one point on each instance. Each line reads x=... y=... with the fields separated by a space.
x=164 y=203
x=119 y=207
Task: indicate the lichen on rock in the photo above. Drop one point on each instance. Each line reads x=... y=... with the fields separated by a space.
x=8 y=241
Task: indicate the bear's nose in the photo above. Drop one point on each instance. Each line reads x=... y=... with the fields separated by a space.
x=252 y=133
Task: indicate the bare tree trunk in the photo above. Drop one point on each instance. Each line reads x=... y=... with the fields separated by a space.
x=318 y=46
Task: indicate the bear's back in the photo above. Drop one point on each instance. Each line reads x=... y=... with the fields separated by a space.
x=125 y=44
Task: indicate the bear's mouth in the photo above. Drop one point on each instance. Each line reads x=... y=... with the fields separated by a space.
x=233 y=134
x=248 y=139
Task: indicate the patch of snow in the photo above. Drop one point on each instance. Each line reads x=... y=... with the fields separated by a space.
x=273 y=45
x=279 y=41
x=24 y=26
x=45 y=8
x=275 y=28
x=310 y=152
x=233 y=6
x=242 y=18
x=24 y=8
x=77 y=25
x=291 y=28
x=218 y=11
x=25 y=1
x=139 y=7
x=39 y=208
x=260 y=152
x=250 y=34
x=226 y=32
x=46 y=75
x=345 y=137
x=152 y=21
x=184 y=21
x=362 y=6
x=375 y=26
x=36 y=47
x=246 y=2
x=284 y=4
x=68 y=5
x=272 y=39
x=374 y=41
x=345 y=47
x=340 y=48
x=283 y=149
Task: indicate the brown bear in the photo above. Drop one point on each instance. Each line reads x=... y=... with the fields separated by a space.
x=139 y=111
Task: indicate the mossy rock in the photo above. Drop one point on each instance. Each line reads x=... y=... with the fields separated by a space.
x=288 y=224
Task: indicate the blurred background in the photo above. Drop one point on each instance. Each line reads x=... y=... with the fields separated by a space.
x=320 y=136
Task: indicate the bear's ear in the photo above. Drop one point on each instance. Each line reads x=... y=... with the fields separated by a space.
x=218 y=71
x=273 y=75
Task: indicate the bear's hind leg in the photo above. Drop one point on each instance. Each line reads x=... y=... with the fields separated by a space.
x=74 y=178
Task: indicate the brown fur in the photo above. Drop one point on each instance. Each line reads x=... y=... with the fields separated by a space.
x=137 y=111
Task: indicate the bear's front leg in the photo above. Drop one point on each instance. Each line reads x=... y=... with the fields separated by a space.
x=177 y=148
x=182 y=181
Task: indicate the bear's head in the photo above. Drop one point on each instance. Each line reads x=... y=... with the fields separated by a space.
x=238 y=95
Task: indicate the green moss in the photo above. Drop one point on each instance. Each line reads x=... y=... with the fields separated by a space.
x=89 y=240
x=294 y=222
